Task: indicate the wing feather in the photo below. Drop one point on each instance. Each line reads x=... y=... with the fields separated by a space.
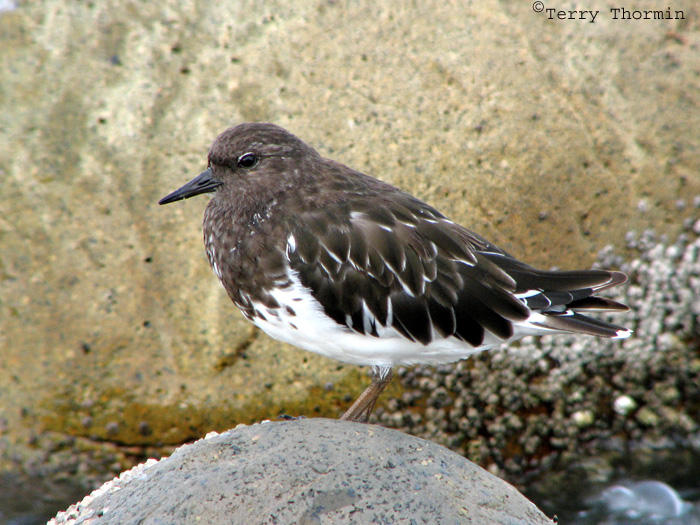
x=407 y=258
x=403 y=264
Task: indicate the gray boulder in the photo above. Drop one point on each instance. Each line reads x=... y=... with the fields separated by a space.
x=306 y=471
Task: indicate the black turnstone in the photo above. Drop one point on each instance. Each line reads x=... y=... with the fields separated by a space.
x=333 y=261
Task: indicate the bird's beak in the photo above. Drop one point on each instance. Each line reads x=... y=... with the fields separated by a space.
x=202 y=183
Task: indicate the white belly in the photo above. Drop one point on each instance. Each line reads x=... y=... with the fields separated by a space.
x=309 y=328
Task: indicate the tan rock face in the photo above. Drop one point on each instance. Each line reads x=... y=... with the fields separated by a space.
x=543 y=135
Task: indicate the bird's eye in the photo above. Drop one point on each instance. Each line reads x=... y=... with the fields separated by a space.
x=247 y=160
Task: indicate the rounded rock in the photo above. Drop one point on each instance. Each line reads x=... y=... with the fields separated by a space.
x=307 y=471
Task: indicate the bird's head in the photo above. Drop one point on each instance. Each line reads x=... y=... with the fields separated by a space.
x=253 y=155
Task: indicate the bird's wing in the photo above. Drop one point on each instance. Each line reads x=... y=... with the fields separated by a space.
x=403 y=264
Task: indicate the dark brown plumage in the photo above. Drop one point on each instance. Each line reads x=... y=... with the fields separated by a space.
x=339 y=263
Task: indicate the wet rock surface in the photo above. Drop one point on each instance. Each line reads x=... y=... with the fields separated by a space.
x=307 y=471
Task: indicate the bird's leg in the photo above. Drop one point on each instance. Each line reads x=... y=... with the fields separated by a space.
x=362 y=408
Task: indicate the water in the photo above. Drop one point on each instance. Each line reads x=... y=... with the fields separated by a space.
x=646 y=502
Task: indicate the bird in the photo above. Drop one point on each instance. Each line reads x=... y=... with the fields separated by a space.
x=328 y=259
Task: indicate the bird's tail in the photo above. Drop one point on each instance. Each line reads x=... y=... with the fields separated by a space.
x=558 y=299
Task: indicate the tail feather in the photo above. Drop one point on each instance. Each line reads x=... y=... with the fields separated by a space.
x=574 y=322
x=598 y=304
x=530 y=278
x=558 y=299
x=615 y=279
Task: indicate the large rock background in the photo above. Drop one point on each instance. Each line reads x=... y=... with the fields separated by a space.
x=553 y=138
